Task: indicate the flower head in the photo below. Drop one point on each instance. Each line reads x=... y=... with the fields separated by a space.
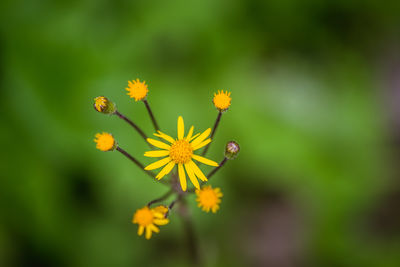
x=103 y=105
x=222 y=100
x=208 y=198
x=137 y=89
x=232 y=150
x=180 y=152
x=105 y=142
x=147 y=219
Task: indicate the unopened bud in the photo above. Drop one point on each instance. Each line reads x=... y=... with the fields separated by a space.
x=231 y=150
x=103 y=105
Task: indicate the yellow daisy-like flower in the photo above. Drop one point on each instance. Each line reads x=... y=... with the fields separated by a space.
x=137 y=89
x=105 y=142
x=208 y=198
x=222 y=100
x=147 y=219
x=180 y=152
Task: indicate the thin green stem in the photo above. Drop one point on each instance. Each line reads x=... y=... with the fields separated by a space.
x=211 y=174
x=213 y=132
x=191 y=239
x=172 y=204
x=140 y=165
x=134 y=126
x=217 y=168
x=163 y=197
x=153 y=119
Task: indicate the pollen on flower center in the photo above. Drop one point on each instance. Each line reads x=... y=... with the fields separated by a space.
x=143 y=217
x=181 y=151
x=208 y=198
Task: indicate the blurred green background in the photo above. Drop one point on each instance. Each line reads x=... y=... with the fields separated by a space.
x=315 y=88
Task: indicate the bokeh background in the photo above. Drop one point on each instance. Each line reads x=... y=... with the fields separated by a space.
x=316 y=91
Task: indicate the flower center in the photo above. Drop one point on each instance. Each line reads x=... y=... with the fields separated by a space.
x=181 y=151
x=208 y=198
x=144 y=217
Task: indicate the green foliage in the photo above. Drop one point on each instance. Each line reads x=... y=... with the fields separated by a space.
x=306 y=110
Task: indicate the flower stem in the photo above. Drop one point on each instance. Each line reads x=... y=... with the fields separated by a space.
x=213 y=132
x=210 y=174
x=192 y=242
x=163 y=197
x=153 y=119
x=134 y=126
x=217 y=168
x=140 y=165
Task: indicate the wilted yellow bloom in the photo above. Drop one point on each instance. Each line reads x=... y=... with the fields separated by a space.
x=147 y=219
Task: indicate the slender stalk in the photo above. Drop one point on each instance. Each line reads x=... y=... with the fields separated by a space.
x=217 y=168
x=191 y=239
x=210 y=174
x=133 y=125
x=140 y=165
x=172 y=205
x=163 y=197
x=213 y=132
x=153 y=119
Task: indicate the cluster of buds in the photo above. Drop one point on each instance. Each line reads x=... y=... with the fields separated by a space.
x=179 y=153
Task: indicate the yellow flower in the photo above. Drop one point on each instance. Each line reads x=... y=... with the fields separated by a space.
x=221 y=100
x=209 y=198
x=147 y=219
x=105 y=142
x=180 y=152
x=137 y=90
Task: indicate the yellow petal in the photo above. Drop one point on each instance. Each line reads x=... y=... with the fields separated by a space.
x=158 y=215
x=161 y=221
x=158 y=144
x=156 y=153
x=194 y=136
x=182 y=177
x=181 y=128
x=204 y=160
x=148 y=232
x=154 y=228
x=191 y=175
x=215 y=208
x=140 y=230
x=204 y=143
x=165 y=137
x=165 y=170
x=200 y=139
x=157 y=164
x=189 y=136
x=197 y=171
